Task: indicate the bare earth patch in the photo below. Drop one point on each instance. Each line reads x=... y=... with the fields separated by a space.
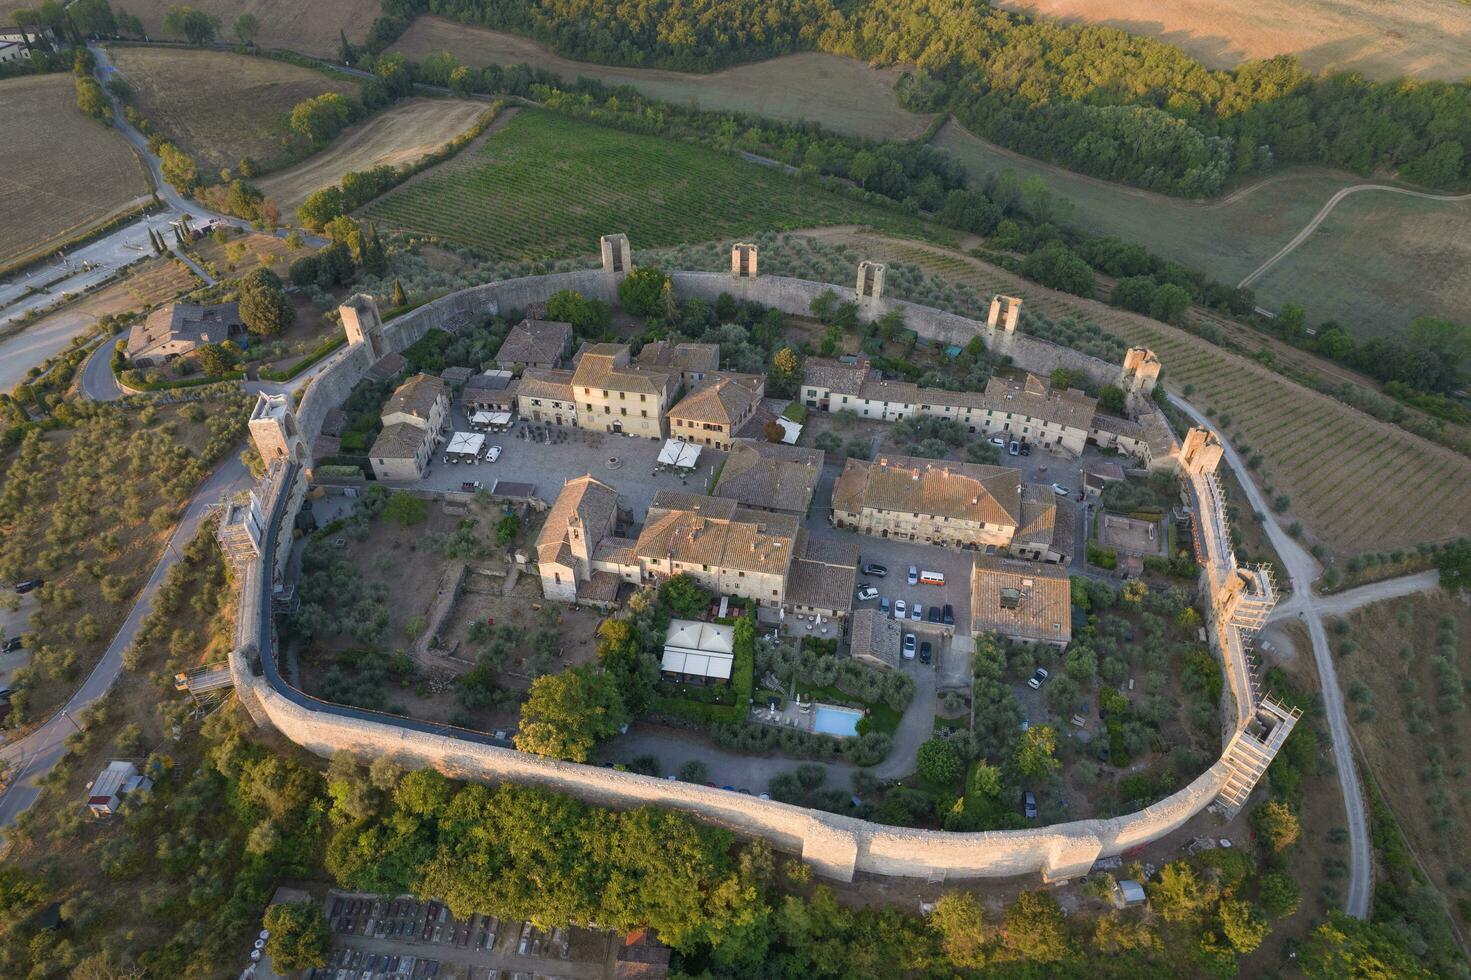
x=1418 y=38
x=308 y=28
x=842 y=94
x=219 y=106
x=60 y=172
x=401 y=135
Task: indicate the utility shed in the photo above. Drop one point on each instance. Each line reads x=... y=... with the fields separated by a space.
x=112 y=784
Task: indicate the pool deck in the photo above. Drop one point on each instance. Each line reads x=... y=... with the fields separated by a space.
x=802 y=717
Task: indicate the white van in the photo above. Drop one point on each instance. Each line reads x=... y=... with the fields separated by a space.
x=931 y=578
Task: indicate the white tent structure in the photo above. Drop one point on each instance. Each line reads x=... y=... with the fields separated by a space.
x=465 y=446
x=699 y=652
x=491 y=420
x=679 y=454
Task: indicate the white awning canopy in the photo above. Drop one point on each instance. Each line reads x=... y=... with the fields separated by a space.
x=677 y=452
x=465 y=444
x=491 y=418
x=790 y=431
x=699 y=649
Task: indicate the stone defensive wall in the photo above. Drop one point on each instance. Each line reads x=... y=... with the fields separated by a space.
x=836 y=846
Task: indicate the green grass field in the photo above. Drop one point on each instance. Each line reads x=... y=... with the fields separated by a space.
x=1376 y=263
x=546 y=186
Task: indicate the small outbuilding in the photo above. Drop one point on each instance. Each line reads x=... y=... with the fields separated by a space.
x=106 y=792
x=698 y=653
x=1127 y=893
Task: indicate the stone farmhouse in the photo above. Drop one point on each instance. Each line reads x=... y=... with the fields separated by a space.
x=954 y=505
x=716 y=409
x=413 y=422
x=732 y=550
x=1021 y=600
x=545 y=395
x=1028 y=410
x=765 y=475
x=178 y=329
x=535 y=343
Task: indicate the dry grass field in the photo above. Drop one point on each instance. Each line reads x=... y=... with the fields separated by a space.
x=60 y=172
x=1349 y=476
x=842 y=94
x=220 y=106
x=1419 y=38
x=308 y=28
x=400 y=135
x=243 y=254
x=1412 y=740
x=158 y=281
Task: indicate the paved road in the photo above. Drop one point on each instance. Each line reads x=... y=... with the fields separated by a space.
x=1302 y=569
x=98 y=382
x=34 y=755
x=1326 y=210
x=1347 y=601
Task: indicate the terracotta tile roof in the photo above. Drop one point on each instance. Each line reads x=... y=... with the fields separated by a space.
x=695 y=358
x=606 y=366
x=536 y=342
x=1158 y=435
x=699 y=530
x=895 y=392
x=455 y=375
x=416 y=397
x=552 y=383
x=876 y=637
x=1112 y=423
x=189 y=324
x=719 y=402
x=1048 y=521
x=820 y=585
x=390 y=365
x=840 y=378
x=938 y=488
x=1034 y=397
x=1021 y=599
x=766 y=474
x=401 y=440
x=585 y=501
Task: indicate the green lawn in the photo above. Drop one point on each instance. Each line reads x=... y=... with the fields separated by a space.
x=546 y=186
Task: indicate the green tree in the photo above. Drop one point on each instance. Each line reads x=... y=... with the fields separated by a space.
x=1242 y=925
x=195 y=26
x=1036 y=930
x=178 y=168
x=1344 y=948
x=587 y=316
x=398 y=299
x=406 y=509
x=938 y=762
x=567 y=714
x=643 y=292
x=1292 y=321
x=1111 y=399
x=685 y=597
x=265 y=309
x=321 y=117
x=1454 y=563
x=247 y=27
x=959 y=921
x=1177 y=894
x=1035 y=752
x=300 y=937
x=1169 y=303
x=91 y=99
x=1276 y=826
x=506 y=529
x=1278 y=894
x=218 y=358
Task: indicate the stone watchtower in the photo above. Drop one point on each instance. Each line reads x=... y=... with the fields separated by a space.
x=870 y=280
x=1141 y=371
x=743 y=260
x=1006 y=312
x=1201 y=452
x=273 y=430
x=617 y=258
x=362 y=324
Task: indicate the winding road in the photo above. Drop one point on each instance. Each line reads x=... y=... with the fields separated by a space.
x=1327 y=209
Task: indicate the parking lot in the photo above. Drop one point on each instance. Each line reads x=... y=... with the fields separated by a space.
x=547 y=457
x=377 y=938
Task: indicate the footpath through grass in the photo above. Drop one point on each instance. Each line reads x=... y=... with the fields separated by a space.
x=546 y=186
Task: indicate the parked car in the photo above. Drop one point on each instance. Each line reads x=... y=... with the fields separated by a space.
x=998 y=442
x=877 y=571
x=934 y=614
x=947 y=615
x=492 y=454
x=1026 y=449
x=867 y=592
x=1061 y=490
x=13 y=644
x=916 y=612
x=1036 y=681
x=884 y=605
x=899 y=608
x=913 y=575
x=925 y=652
x=31 y=584
x=908 y=646
x=1015 y=448
x=1029 y=805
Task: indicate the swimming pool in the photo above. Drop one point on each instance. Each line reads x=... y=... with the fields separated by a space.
x=842 y=722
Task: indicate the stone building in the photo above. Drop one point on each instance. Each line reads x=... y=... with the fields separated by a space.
x=413 y=422
x=769 y=476
x=729 y=549
x=535 y=343
x=1021 y=600
x=545 y=395
x=614 y=395
x=938 y=502
x=875 y=638
x=715 y=410
x=180 y=329
x=693 y=362
x=579 y=528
